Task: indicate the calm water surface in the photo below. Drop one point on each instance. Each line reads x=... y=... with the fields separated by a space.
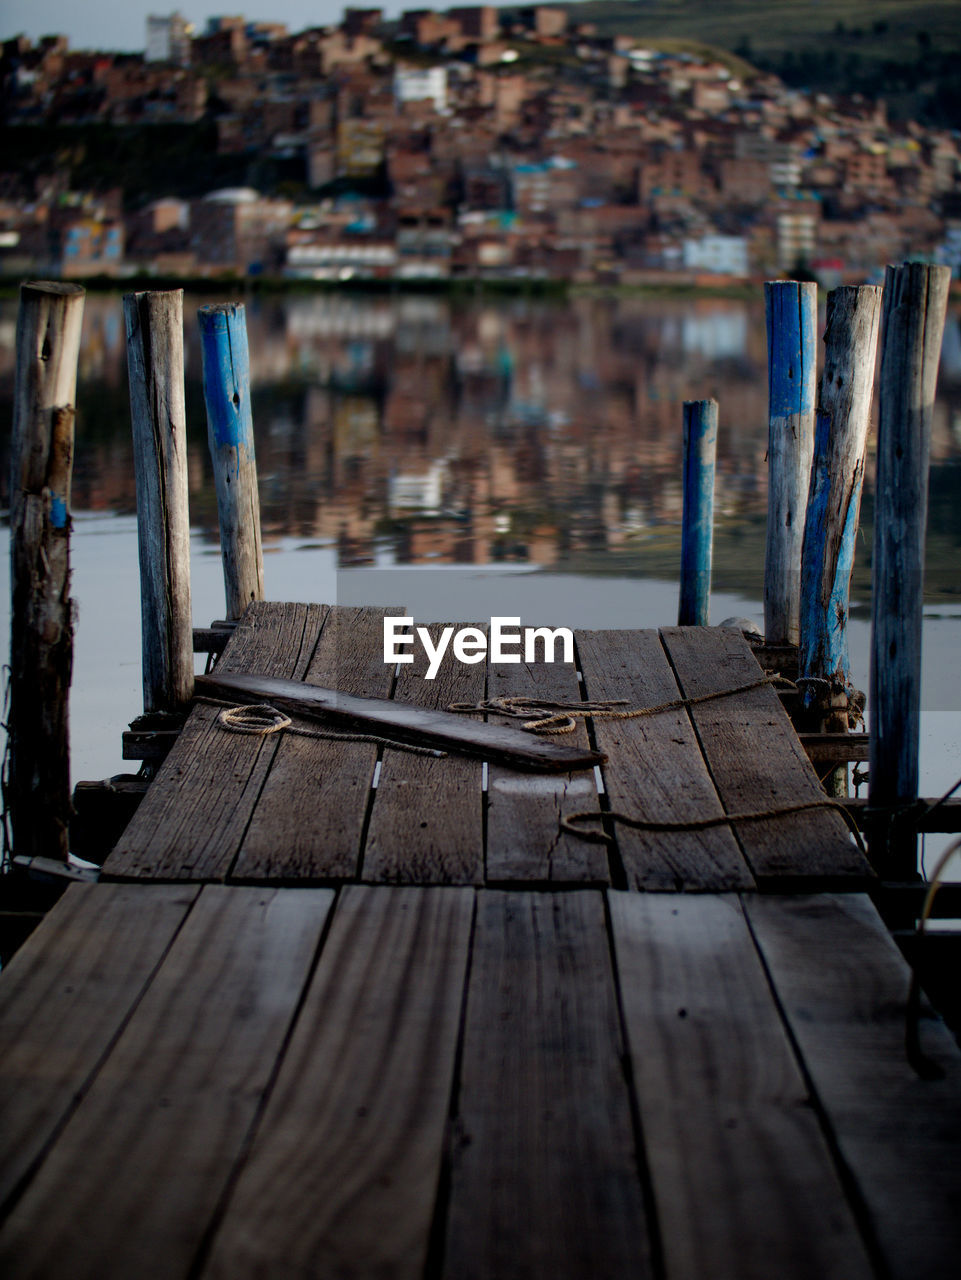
x=470 y=458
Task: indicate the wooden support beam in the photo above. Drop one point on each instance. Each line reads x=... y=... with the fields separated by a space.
x=834 y=505
x=226 y=360
x=155 y=360
x=41 y=645
x=697 y=530
x=791 y=308
x=915 y=302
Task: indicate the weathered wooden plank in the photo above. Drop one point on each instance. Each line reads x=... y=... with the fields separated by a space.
x=426 y=825
x=130 y=1187
x=342 y=1177
x=309 y=820
x=843 y=984
x=655 y=770
x=193 y=818
x=423 y=723
x=524 y=842
x=544 y=1180
x=758 y=764
x=743 y=1181
x=64 y=998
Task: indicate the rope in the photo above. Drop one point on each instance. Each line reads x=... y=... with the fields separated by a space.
x=570 y=822
x=259 y=719
x=561 y=717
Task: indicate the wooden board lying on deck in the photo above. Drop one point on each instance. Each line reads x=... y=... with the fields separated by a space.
x=422 y=722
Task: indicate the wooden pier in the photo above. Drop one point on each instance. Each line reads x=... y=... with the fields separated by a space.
x=336 y=1010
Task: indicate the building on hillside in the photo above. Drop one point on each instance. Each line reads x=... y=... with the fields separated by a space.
x=421 y=84
x=716 y=255
x=168 y=39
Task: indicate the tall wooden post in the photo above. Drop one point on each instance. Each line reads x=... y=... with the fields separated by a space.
x=223 y=332
x=41 y=642
x=915 y=302
x=791 y=308
x=834 y=505
x=155 y=360
x=697 y=528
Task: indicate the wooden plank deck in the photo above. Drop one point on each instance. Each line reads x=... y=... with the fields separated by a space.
x=344 y=1044
x=236 y=809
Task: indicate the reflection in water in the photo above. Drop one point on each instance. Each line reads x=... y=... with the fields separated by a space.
x=515 y=430
x=423 y=430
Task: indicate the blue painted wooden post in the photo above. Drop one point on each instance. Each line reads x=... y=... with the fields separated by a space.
x=791 y=308
x=697 y=529
x=915 y=301
x=230 y=433
x=830 y=531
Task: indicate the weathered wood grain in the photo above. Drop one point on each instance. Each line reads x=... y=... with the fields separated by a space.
x=37 y=788
x=309 y=820
x=524 y=842
x=544 y=1181
x=831 y=526
x=426 y=825
x=843 y=985
x=915 y=302
x=743 y=1180
x=171 y=1107
x=655 y=770
x=193 y=818
x=424 y=724
x=758 y=764
x=64 y=998
x=155 y=363
x=342 y=1177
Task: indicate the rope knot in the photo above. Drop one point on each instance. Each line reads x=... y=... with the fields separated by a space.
x=259 y=718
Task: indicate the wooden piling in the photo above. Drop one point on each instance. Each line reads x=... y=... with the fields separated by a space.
x=223 y=331
x=791 y=308
x=834 y=504
x=697 y=529
x=41 y=645
x=915 y=302
x=155 y=360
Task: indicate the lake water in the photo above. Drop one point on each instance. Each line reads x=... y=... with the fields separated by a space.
x=471 y=458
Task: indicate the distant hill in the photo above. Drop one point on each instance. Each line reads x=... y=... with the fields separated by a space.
x=907 y=53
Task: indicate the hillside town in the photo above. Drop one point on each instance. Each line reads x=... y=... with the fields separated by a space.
x=477 y=143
